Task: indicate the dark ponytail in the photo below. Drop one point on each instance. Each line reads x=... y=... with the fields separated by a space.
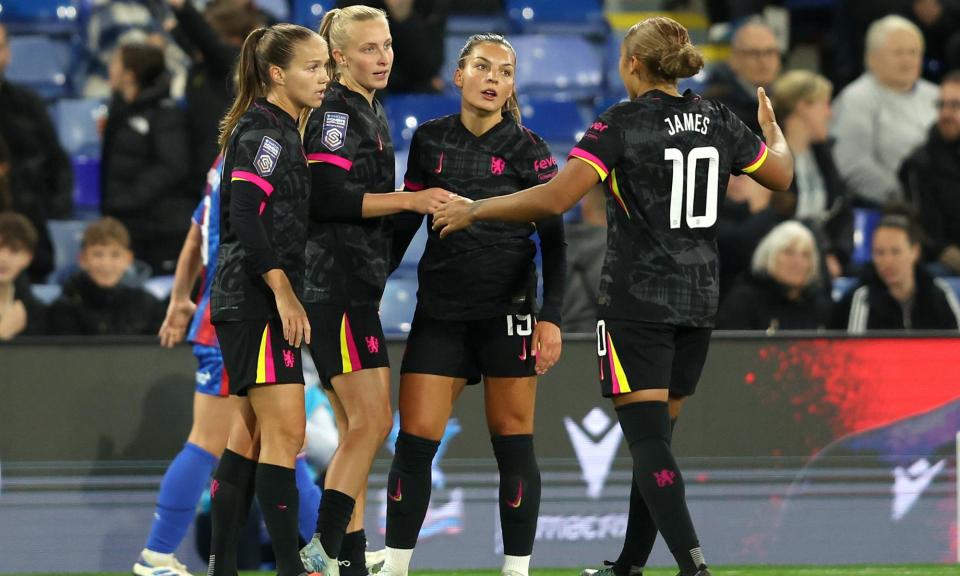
x=264 y=47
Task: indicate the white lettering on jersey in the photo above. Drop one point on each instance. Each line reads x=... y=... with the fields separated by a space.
x=687 y=122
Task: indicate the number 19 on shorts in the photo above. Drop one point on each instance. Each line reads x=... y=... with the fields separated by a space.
x=712 y=157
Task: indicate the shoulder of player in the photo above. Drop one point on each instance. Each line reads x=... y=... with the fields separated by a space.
x=435 y=128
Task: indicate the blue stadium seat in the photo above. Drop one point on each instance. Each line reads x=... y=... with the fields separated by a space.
x=77 y=125
x=41 y=63
x=398 y=304
x=86 y=183
x=451 y=51
x=46 y=293
x=841 y=286
x=553 y=120
x=309 y=12
x=279 y=9
x=469 y=24
x=558 y=66
x=864 y=222
x=400 y=156
x=65 y=235
x=41 y=16
x=411 y=258
x=557 y=16
x=407 y=111
x=954 y=282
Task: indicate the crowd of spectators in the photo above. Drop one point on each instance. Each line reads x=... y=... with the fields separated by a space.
x=870 y=130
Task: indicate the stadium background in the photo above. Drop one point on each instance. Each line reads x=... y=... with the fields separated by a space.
x=87 y=426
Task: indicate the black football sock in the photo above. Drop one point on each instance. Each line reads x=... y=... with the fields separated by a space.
x=641 y=530
x=228 y=511
x=408 y=489
x=353 y=560
x=279 y=503
x=332 y=520
x=646 y=426
x=519 y=492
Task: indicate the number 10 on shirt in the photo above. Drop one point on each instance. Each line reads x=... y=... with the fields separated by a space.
x=675 y=155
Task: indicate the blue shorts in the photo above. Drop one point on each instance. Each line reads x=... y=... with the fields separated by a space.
x=211 y=379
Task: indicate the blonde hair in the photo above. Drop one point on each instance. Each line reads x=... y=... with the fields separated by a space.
x=663 y=46
x=333 y=28
x=511 y=107
x=779 y=239
x=264 y=47
x=798 y=86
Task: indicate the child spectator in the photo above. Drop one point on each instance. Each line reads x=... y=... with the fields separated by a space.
x=95 y=301
x=20 y=312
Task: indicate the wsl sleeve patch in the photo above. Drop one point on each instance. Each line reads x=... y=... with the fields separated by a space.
x=334 y=131
x=267 y=155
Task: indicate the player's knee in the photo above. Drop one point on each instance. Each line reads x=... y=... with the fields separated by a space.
x=511 y=424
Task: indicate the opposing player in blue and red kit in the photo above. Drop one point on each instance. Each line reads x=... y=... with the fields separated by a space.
x=477 y=306
x=666 y=158
x=354 y=220
x=255 y=296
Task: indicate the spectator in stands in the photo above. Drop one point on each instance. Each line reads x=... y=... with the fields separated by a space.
x=755 y=61
x=586 y=246
x=782 y=290
x=931 y=177
x=895 y=292
x=418 y=28
x=146 y=157
x=40 y=175
x=801 y=101
x=20 y=313
x=883 y=115
x=95 y=301
x=212 y=40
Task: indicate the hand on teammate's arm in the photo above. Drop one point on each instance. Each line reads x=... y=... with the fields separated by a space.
x=550 y=199
x=389 y=203
x=296 y=326
x=547 y=344
x=776 y=172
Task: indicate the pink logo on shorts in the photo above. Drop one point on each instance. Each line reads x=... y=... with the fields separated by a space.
x=497 y=165
x=665 y=478
x=373 y=344
x=289 y=360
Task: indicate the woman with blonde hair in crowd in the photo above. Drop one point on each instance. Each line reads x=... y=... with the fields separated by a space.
x=782 y=290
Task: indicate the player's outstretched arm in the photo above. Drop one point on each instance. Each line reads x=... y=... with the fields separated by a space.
x=776 y=172
x=550 y=199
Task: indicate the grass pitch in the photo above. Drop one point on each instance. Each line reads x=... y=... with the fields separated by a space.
x=853 y=570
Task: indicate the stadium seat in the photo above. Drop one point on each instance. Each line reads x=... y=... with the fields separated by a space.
x=86 y=183
x=451 y=52
x=469 y=24
x=558 y=66
x=42 y=64
x=65 y=235
x=864 y=222
x=557 y=16
x=41 y=16
x=400 y=156
x=279 y=9
x=398 y=304
x=954 y=282
x=407 y=111
x=77 y=125
x=309 y=12
x=553 y=120
x=159 y=286
x=841 y=286
x=613 y=84
x=46 y=293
